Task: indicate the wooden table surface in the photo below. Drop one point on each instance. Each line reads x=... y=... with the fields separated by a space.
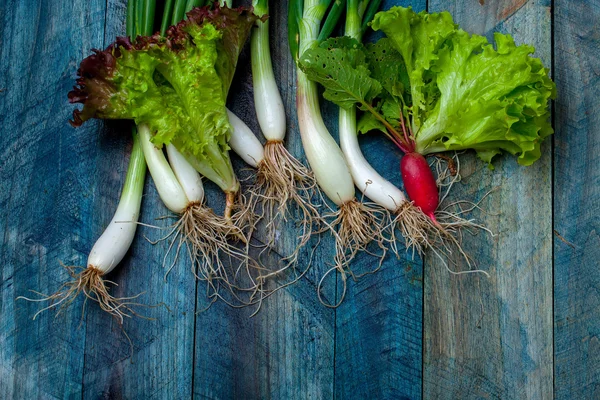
x=410 y=331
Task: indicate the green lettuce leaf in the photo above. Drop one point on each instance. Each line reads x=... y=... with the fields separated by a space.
x=177 y=85
x=464 y=93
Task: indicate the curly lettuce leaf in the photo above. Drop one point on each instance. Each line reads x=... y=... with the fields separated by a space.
x=467 y=95
x=233 y=25
x=177 y=85
x=200 y=71
x=116 y=83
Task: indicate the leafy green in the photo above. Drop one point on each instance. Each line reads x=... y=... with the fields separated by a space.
x=447 y=89
x=340 y=65
x=348 y=71
x=466 y=94
x=368 y=122
x=387 y=67
x=177 y=85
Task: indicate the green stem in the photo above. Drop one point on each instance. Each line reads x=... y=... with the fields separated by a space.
x=131 y=18
x=362 y=6
x=353 y=21
x=148 y=16
x=227 y=3
x=178 y=11
x=133 y=188
x=139 y=18
x=333 y=17
x=136 y=173
x=166 y=18
x=309 y=26
x=262 y=67
x=294 y=17
x=370 y=14
x=325 y=4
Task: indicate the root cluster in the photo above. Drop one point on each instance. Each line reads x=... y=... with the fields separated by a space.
x=357 y=227
x=442 y=236
x=284 y=184
x=217 y=247
x=283 y=190
x=89 y=282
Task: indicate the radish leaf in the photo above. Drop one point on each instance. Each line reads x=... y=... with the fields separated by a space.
x=340 y=66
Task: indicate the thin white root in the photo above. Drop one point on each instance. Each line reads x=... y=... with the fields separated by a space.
x=357 y=227
x=283 y=189
x=416 y=228
x=240 y=213
x=214 y=257
x=284 y=184
x=443 y=236
x=87 y=281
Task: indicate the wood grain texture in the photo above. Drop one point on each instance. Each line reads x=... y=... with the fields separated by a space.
x=577 y=200
x=378 y=348
x=484 y=338
x=492 y=338
x=45 y=178
x=162 y=362
x=287 y=350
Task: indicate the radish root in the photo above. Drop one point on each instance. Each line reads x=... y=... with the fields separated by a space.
x=355 y=226
x=87 y=281
x=443 y=236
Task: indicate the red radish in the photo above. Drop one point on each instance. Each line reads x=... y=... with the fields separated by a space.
x=420 y=183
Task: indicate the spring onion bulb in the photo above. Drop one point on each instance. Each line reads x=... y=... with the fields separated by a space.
x=111 y=247
x=419 y=230
x=189 y=178
x=108 y=251
x=413 y=224
x=267 y=99
x=244 y=142
x=282 y=182
x=167 y=185
x=206 y=235
x=355 y=224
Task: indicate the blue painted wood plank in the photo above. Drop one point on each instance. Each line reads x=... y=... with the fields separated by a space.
x=162 y=361
x=492 y=338
x=286 y=351
x=46 y=181
x=379 y=325
x=577 y=200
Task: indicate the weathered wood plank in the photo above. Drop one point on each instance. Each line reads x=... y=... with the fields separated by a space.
x=161 y=365
x=379 y=349
x=46 y=172
x=492 y=338
x=577 y=200
x=286 y=351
